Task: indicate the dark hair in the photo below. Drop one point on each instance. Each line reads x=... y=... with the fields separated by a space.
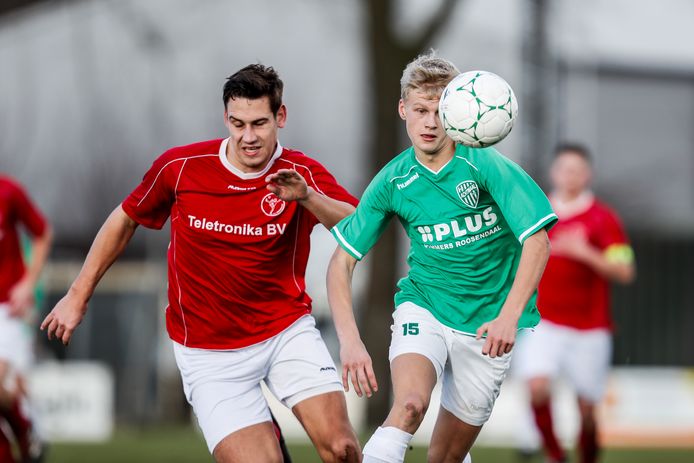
x=576 y=148
x=253 y=82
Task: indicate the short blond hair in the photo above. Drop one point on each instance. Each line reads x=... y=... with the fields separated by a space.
x=428 y=73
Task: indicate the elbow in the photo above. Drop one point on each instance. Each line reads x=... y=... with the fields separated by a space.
x=627 y=275
x=47 y=235
x=547 y=249
x=340 y=260
x=347 y=211
x=543 y=245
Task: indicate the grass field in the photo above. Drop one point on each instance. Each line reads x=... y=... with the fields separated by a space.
x=184 y=445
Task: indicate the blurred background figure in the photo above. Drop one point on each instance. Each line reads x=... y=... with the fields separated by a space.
x=590 y=250
x=17 y=285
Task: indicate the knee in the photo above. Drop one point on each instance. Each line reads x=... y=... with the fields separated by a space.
x=539 y=391
x=344 y=449
x=413 y=409
x=587 y=412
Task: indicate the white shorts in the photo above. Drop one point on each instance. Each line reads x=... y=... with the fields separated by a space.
x=16 y=341
x=223 y=386
x=471 y=381
x=583 y=356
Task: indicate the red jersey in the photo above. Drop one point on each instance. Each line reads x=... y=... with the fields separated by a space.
x=15 y=208
x=237 y=255
x=571 y=293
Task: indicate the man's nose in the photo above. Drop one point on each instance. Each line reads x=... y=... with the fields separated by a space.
x=248 y=134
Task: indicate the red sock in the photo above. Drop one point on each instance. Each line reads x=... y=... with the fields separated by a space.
x=543 y=419
x=21 y=427
x=588 y=444
x=5 y=449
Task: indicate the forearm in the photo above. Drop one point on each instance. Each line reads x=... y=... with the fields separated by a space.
x=532 y=263
x=339 y=283
x=327 y=210
x=40 y=248
x=614 y=271
x=109 y=243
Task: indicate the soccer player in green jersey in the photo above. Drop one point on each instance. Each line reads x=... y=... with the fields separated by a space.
x=478 y=245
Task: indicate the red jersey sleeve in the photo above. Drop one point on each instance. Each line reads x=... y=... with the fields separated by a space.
x=323 y=182
x=27 y=213
x=611 y=230
x=318 y=177
x=150 y=203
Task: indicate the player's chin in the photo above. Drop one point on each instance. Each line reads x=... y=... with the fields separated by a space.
x=432 y=147
x=255 y=160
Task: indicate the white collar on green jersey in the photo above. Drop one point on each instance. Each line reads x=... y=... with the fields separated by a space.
x=434 y=172
x=240 y=173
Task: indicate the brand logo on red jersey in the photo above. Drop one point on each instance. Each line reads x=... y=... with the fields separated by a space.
x=271 y=205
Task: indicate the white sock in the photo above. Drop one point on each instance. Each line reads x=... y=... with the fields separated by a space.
x=387 y=445
x=468 y=459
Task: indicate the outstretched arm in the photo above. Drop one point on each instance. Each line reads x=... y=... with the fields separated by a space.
x=501 y=332
x=289 y=185
x=22 y=293
x=111 y=240
x=617 y=266
x=353 y=356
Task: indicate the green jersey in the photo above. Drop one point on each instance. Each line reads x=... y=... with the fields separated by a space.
x=466 y=224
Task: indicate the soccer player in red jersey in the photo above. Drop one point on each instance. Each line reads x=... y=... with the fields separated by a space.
x=589 y=251
x=17 y=284
x=241 y=211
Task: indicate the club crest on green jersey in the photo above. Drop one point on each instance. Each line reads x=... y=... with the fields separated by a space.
x=469 y=193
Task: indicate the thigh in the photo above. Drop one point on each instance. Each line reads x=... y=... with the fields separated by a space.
x=412 y=375
x=587 y=365
x=472 y=381
x=451 y=439
x=255 y=443
x=300 y=365
x=223 y=388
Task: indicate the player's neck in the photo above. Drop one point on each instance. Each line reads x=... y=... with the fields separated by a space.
x=568 y=196
x=435 y=161
x=568 y=204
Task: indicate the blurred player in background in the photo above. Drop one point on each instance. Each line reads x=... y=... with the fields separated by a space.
x=476 y=223
x=589 y=251
x=242 y=210
x=17 y=284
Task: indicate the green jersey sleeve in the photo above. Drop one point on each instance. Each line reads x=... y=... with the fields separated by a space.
x=360 y=231
x=523 y=204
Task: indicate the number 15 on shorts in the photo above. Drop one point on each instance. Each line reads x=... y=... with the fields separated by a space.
x=410 y=328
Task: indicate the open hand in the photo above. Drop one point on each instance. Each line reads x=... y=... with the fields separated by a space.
x=64 y=318
x=501 y=336
x=288 y=184
x=21 y=298
x=571 y=243
x=356 y=363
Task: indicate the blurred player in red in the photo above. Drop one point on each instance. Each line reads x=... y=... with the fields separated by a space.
x=17 y=284
x=242 y=210
x=589 y=251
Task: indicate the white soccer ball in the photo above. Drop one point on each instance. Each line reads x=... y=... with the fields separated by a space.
x=477 y=109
